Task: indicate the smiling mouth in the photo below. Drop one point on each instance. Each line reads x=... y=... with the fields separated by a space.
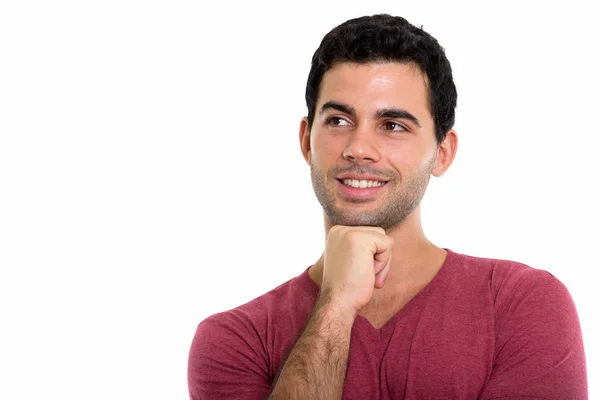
x=361 y=184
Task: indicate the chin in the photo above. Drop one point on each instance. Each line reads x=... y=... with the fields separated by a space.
x=356 y=218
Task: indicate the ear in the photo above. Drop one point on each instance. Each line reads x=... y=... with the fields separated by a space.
x=305 y=139
x=445 y=153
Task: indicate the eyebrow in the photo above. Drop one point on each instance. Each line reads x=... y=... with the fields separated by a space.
x=398 y=113
x=383 y=113
x=334 y=105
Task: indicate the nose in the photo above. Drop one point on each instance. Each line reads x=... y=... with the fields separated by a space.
x=361 y=147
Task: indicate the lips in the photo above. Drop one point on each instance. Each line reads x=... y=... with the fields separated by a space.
x=363 y=183
x=360 y=177
x=355 y=190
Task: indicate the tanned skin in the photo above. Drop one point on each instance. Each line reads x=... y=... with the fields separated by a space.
x=359 y=133
x=316 y=366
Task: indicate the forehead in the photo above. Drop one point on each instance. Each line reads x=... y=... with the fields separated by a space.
x=376 y=85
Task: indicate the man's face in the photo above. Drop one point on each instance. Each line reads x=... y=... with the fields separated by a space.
x=372 y=143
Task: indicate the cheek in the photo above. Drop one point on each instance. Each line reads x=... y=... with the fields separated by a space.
x=411 y=156
x=402 y=157
x=430 y=157
x=325 y=150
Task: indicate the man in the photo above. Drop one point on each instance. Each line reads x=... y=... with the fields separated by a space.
x=384 y=313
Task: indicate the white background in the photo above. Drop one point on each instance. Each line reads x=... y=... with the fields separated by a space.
x=150 y=173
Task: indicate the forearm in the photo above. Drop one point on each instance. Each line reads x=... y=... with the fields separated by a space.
x=316 y=365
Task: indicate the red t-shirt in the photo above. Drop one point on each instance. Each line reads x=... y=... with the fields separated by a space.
x=481 y=329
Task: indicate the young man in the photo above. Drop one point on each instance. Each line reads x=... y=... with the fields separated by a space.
x=384 y=313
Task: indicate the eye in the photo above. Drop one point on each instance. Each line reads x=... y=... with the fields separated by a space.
x=393 y=126
x=337 y=121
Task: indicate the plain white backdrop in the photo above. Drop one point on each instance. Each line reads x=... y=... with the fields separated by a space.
x=150 y=173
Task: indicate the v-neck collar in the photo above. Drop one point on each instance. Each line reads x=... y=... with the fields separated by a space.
x=362 y=324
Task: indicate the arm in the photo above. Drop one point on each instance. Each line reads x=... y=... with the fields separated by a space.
x=316 y=365
x=228 y=359
x=355 y=262
x=539 y=347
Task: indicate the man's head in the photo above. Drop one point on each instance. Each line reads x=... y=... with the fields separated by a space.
x=381 y=102
x=385 y=38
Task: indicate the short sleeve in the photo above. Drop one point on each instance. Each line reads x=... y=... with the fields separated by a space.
x=539 y=346
x=227 y=360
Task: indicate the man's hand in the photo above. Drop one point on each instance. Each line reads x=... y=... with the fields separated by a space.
x=357 y=260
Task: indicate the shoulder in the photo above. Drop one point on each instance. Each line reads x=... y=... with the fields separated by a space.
x=507 y=278
x=258 y=326
x=233 y=351
x=517 y=293
x=253 y=315
x=538 y=342
x=527 y=301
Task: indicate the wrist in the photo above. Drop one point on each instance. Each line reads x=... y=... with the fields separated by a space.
x=333 y=309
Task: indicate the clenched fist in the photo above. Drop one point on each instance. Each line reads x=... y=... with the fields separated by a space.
x=356 y=261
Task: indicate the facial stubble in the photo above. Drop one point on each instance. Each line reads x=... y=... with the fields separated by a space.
x=402 y=196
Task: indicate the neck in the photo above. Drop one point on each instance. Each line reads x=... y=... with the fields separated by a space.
x=414 y=257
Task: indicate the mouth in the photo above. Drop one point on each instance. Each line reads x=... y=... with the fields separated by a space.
x=360 y=190
x=362 y=183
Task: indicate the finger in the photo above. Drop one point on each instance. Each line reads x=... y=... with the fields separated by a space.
x=380 y=244
x=382 y=267
x=371 y=228
x=382 y=275
x=365 y=228
x=382 y=260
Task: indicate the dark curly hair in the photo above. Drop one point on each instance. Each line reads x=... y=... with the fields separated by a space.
x=385 y=38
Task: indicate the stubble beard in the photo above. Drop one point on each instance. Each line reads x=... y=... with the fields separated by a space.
x=401 y=198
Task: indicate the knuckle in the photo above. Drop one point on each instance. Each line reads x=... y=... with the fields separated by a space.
x=353 y=236
x=334 y=229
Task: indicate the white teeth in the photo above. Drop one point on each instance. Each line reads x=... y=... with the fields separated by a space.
x=362 y=183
